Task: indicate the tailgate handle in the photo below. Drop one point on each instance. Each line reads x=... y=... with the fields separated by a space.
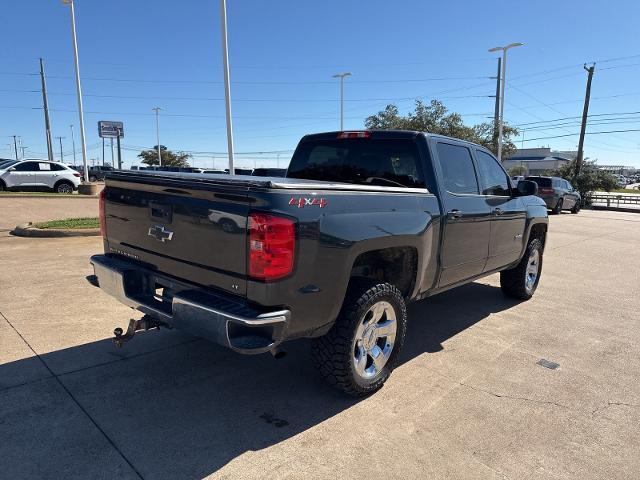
x=160 y=211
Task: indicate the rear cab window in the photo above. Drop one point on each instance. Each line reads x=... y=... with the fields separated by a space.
x=541 y=181
x=364 y=161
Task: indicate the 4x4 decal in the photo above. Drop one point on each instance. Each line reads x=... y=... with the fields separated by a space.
x=303 y=202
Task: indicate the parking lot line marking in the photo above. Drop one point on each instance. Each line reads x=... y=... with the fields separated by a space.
x=74 y=399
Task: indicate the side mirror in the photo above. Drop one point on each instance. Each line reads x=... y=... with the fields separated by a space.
x=12 y=169
x=527 y=187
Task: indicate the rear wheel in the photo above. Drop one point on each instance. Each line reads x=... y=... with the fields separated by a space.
x=2 y=186
x=361 y=350
x=64 y=187
x=558 y=208
x=92 y=178
x=522 y=280
x=576 y=207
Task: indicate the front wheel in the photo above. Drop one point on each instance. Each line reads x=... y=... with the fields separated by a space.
x=522 y=280
x=361 y=350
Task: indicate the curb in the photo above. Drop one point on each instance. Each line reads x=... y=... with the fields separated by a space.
x=28 y=230
x=615 y=209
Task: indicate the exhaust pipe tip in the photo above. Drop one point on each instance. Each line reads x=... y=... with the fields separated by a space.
x=278 y=353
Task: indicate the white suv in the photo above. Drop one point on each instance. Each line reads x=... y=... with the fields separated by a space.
x=39 y=175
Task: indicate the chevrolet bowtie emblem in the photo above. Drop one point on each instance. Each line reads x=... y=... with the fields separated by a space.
x=160 y=233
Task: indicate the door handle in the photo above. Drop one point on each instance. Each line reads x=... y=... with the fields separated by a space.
x=454 y=214
x=497 y=211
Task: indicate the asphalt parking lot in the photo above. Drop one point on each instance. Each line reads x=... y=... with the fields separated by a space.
x=468 y=400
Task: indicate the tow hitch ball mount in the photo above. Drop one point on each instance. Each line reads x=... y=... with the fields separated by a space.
x=145 y=323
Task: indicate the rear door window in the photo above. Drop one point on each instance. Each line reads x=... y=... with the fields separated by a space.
x=393 y=163
x=458 y=172
x=493 y=179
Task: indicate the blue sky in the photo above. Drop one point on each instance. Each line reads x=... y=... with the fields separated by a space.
x=136 y=54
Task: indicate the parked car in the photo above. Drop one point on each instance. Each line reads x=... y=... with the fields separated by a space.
x=97 y=172
x=557 y=193
x=7 y=163
x=364 y=223
x=269 y=172
x=39 y=175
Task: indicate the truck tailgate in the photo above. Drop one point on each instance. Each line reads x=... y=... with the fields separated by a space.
x=181 y=226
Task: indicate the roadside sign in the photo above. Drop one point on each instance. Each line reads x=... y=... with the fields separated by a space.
x=108 y=129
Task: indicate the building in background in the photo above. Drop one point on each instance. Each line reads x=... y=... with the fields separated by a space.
x=539 y=160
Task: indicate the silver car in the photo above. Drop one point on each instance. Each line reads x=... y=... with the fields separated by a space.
x=557 y=193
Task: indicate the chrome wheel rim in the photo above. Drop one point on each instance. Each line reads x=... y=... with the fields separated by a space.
x=374 y=340
x=64 y=188
x=533 y=267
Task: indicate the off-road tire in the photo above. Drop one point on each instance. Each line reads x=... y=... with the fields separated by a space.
x=513 y=281
x=333 y=353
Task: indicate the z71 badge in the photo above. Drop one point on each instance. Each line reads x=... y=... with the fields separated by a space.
x=303 y=202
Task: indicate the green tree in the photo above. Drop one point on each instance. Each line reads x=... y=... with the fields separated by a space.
x=590 y=179
x=169 y=158
x=435 y=118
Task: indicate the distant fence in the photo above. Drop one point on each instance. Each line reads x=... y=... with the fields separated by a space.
x=615 y=201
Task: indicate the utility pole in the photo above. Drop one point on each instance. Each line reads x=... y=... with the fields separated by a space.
x=23 y=148
x=585 y=114
x=227 y=86
x=112 y=159
x=103 y=151
x=157 y=110
x=73 y=142
x=15 y=145
x=496 y=114
x=61 y=154
x=45 y=105
x=78 y=86
x=341 y=77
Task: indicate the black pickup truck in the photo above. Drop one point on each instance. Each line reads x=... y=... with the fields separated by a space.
x=363 y=223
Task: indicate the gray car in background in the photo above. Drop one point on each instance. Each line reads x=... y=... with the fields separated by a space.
x=557 y=193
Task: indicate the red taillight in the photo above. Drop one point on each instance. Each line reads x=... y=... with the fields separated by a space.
x=545 y=190
x=363 y=134
x=76 y=174
x=271 y=246
x=103 y=220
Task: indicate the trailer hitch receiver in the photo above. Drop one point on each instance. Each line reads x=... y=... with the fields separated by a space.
x=145 y=323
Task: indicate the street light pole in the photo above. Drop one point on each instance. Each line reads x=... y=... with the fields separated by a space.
x=502 y=83
x=78 y=86
x=73 y=143
x=227 y=87
x=61 y=154
x=157 y=110
x=341 y=77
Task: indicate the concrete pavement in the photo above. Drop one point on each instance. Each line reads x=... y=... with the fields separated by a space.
x=468 y=400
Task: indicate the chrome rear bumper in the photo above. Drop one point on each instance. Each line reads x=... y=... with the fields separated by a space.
x=219 y=318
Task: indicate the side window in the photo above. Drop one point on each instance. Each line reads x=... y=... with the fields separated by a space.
x=568 y=186
x=57 y=167
x=27 y=167
x=458 y=173
x=493 y=180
